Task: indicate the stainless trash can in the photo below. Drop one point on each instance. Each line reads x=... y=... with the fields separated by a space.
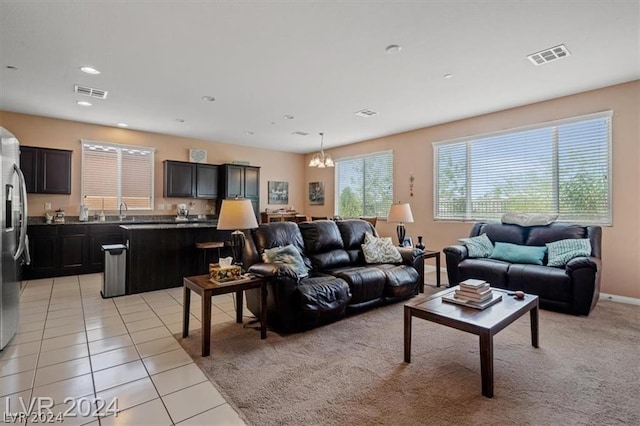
x=115 y=267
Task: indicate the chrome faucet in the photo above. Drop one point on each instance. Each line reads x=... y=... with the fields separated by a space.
x=120 y=215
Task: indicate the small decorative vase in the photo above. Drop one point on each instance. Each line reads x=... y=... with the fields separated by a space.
x=420 y=245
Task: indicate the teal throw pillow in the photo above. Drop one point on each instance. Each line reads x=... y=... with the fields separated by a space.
x=287 y=255
x=480 y=246
x=560 y=252
x=519 y=254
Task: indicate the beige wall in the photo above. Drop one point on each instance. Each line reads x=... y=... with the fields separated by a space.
x=413 y=153
x=48 y=132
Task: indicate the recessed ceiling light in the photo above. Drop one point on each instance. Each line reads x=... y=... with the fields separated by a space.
x=11 y=67
x=248 y=132
x=122 y=125
x=180 y=120
x=288 y=117
x=89 y=70
x=84 y=103
x=208 y=98
x=393 y=49
x=447 y=76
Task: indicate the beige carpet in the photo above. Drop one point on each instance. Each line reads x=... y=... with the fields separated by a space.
x=586 y=371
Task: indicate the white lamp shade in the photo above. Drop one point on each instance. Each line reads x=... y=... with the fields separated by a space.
x=400 y=213
x=237 y=214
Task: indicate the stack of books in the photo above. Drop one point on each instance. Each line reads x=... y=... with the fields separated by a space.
x=473 y=293
x=474 y=290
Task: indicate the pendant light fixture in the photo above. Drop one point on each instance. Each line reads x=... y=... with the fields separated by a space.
x=320 y=159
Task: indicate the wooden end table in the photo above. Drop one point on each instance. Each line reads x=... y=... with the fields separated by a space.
x=428 y=254
x=207 y=289
x=484 y=323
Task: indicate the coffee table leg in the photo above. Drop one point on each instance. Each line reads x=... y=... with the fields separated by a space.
x=206 y=323
x=534 y=326
x=263 y=311
x=407 y=334
x=486 y=363
x=239 y=306
x=185 y=311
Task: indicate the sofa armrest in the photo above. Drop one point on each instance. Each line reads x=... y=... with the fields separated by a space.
x=273 y=270
x=585 y=275
x=453 y=256
x=413 y=257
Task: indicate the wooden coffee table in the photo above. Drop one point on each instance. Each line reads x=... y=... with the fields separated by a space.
x=485 y=323
x=206 y=289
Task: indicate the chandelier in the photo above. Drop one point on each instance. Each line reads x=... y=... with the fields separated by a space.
x=320 y=159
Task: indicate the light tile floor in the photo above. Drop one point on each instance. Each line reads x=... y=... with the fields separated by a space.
x=73 y=344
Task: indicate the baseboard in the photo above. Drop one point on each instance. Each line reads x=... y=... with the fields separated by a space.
x=620 y=299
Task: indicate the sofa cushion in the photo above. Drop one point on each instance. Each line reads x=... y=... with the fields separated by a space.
x=547 y=283
x=541 y=235
x=492 y=271
x=278 y=234
x=504 y=233
x=287 y=255
x=402 y=281
x=519 y=254
x=353 y=232
x=323 y=244
x=560 y=252
x=365 y=282
x=480 y=246
x=380 y=250
x=323 y=299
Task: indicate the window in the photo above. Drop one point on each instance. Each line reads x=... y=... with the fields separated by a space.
x=364 y=185
x=558 y=167
x=113 y=173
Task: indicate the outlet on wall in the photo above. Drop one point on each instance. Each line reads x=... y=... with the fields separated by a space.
x=47 y=206
x=160 y=206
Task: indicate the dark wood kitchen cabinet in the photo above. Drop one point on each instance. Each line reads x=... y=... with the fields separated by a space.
x=46 y=170
x=241 y=182
x=69 y=249
x=190 y=180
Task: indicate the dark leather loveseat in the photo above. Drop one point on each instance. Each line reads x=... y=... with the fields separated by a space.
x=339 y=280
x=573 y=288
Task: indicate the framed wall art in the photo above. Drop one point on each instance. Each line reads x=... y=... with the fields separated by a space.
x=316 y=193
x=278 y=192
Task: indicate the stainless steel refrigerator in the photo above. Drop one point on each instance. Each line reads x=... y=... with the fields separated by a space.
x=14 y=243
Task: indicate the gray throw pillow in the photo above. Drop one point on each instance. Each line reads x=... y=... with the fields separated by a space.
x=287 y=255
x=480 y=246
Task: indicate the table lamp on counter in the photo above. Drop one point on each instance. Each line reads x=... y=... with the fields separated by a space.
x=237 y=214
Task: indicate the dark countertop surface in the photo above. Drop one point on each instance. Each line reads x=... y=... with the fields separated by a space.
x=129 y=220
x=177 y=225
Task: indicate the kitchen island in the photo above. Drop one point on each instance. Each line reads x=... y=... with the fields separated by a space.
x=159 y=256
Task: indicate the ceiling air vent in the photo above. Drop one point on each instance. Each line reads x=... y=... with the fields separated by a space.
x=549 y=55
x=366 y=113
x=299 y=133
x=90 y=91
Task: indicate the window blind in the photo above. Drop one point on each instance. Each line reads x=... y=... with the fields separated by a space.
x=558 y=167
x=364 y=185
x=113 y=173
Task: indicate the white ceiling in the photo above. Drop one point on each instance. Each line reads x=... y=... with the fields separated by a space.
x=319 y=61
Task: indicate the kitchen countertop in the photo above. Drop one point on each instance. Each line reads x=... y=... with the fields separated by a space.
x=115 y=220
x=177 y=225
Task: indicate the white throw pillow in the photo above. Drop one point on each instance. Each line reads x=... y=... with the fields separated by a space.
x=529 y=219
x=380 y=250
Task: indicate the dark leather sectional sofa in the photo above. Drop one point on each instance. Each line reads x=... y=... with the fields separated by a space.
x=339 y=280
x=573 y=288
